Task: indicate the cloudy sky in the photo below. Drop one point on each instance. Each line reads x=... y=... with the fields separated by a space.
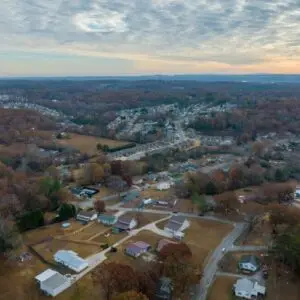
x=118 y=37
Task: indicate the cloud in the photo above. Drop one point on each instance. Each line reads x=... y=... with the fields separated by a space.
x=186 y=32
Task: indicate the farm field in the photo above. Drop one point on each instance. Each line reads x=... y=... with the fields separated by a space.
x=221 y=288
x=88 y=144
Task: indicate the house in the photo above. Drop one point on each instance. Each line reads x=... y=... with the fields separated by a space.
x=248 y=289
x=107 y=219
x=89 y=192
x=177 y=224
x=162 y=243
x=52 y=283
x=124 y=223
x=71 y=260
x=86 y=216
x=130 y=196
x=163 y=186
x=137 y=248
x=147 y=201
x=164 y=289
x=249 y=263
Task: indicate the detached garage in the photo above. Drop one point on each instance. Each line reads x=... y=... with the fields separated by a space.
x=52 y=283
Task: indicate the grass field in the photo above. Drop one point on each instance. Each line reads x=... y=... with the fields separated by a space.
x=88 y=144
x=88 y=231
x=221 y=288
x=144 y=218
x=203 y=237
x=50 y=231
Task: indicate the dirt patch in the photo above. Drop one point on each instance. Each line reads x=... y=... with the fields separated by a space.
x=221 y=288
x=88 y=144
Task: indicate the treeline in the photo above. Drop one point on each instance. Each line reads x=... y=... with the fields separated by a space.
x=246 y=123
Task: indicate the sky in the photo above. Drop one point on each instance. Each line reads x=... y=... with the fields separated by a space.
x=133 y=37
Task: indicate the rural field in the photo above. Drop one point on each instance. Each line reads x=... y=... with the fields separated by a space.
x=88 y=144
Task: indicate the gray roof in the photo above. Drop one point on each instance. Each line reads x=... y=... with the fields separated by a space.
x=55 y=281
x=178 y=219
x=244 y=285
x=87 y=214
x=250 y=259
x=175 y=222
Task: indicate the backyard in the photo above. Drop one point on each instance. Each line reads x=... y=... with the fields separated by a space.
x=222 y=288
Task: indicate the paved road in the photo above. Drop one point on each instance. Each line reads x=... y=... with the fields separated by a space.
x=210 y=270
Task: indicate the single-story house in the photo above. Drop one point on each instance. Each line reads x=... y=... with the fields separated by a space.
x=164 y=289
x=131 y=196
x=71 y=260
x=147 y=201
x=163 y=186
x=176 y=224
x=89 y=192
x=249 y=263
x=52 y=283
x=248 y=289
x=86 y=216
x=125 y=223
x=137 y=248
x=162 y=243
x=107 y=219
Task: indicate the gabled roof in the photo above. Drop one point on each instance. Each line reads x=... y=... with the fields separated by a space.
x=55 y=281
x=175 y=222
x=86 y=214
x=125 y=220
x=71 y=259
x=45 y=275
x=109 y=217
x=250 y=259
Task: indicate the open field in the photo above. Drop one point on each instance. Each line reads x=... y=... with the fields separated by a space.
x=50 y=231
x=88 y=231
x=88 y=144
x=49 y=248
x=111 y=239
x=144 y=218
x=202 y=237
x=156 y=194
x=221 y=288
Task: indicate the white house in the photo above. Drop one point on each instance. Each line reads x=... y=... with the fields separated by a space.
x=52 y=283
x=247 y=289
x=176 y=225
x=125 y=223
x=163 y=186
x=71 y=260
x=147 y=201
x=249 y=263
x=86 y=216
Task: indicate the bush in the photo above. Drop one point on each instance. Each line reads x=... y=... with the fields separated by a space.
x=30 y=220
